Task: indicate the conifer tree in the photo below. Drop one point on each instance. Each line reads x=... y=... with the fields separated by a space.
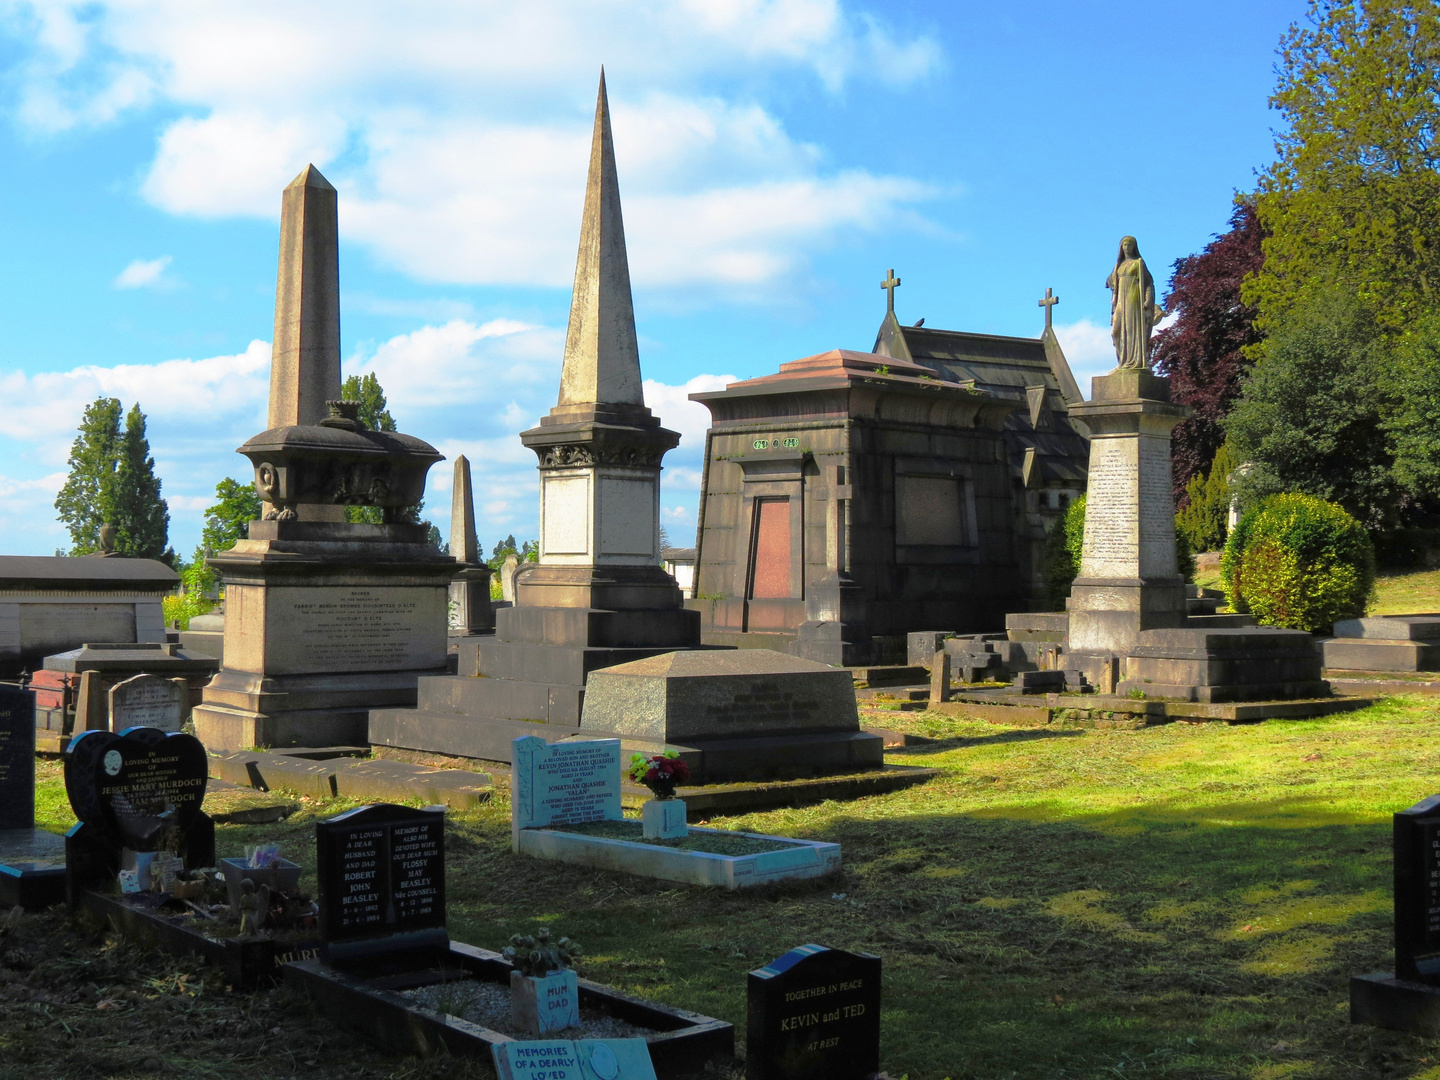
x=84 y=502
x=112 y=481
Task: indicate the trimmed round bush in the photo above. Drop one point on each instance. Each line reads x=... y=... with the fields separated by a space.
x=1298 y=562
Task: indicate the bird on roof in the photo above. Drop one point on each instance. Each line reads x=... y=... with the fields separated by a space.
x=919 y=322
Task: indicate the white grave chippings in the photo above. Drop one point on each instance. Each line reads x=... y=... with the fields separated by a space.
x=585 y=1059
x=564 y=783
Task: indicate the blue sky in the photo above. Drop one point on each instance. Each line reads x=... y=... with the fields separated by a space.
x=775 y=157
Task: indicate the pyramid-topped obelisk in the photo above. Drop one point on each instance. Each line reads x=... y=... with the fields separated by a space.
x=599 y=596
x=600 y=447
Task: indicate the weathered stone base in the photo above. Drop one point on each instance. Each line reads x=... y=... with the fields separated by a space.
x=32 y=868
x=242 y=711
x=1362 y=654
x=1110 y=615
x=1388 y=1002
x=1245 y=664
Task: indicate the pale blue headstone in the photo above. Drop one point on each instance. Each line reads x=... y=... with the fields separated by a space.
x=587 y=1059
x=564 y=783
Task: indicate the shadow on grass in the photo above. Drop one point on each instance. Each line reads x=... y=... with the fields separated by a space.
x=960 y=742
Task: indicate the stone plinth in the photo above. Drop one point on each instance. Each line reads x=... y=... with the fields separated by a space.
x=1128 y=581
x=1254 y=663
x=324 y=621
x=1385 y=643
x=732 y=714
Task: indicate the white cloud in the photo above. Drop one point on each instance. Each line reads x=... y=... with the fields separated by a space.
x=1089 y=350
x=457 y=133
x=142 y=273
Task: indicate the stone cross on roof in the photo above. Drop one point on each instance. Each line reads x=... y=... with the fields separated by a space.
x=889 y=285
x=1048 y=302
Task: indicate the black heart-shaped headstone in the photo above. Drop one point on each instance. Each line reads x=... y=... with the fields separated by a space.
x=141 y=789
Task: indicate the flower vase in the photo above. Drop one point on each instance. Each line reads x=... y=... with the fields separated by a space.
x=544 y=1003
x=664 y=819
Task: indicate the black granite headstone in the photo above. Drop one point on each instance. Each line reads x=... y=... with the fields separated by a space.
x=381 y=873
x=17 y=758
x=814 y=1014
x=1417 y=892
x=141 y=790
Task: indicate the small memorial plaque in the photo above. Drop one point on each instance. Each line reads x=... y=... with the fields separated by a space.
x=585 y=1059
x=141 y=790
x=381 y=872
x=1417 y=891
x=814 y=1014
x=564 y=783
x=148 y=701
x=17 y=758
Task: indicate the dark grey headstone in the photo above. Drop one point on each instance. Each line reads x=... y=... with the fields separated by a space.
x=17 y=758
x=141 y=790
x=381 y=873
x=1417 y=891
x=814 y=1014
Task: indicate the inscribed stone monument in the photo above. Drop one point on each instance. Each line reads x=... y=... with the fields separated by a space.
x=564 y=783
x=381 y=872
x=1409 y=999
x=814 y=1014
x=583 y=1059
x=148 y=701
x=324 y=619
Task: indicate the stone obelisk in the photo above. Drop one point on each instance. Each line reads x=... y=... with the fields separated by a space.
x=600 y=447
x=599 y=596
x=470 y=611
x=305 y=356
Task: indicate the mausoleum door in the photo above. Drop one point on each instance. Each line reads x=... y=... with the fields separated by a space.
x=774 y=573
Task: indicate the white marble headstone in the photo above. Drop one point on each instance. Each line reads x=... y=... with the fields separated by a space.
x=564 y=783
x=148 y=701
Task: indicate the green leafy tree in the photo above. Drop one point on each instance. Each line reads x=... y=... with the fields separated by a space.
x=84 y=502
x=501 y=549
x=1353 y=198
x=1310 y=416
x=112 y=481
x=228 y=520
x=1414 y=424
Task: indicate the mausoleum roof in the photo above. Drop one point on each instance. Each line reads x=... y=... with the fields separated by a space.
x=85 y=572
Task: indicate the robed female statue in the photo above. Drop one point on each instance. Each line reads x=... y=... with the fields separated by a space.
x=1133 y=311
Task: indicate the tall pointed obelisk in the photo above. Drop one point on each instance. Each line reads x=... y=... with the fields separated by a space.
x=600 y=447
x=470 y=610
x=305 y=356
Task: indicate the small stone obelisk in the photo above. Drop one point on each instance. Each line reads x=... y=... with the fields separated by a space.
x=305 y=356
x=470 y=611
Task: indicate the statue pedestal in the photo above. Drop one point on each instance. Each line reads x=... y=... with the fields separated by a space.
x=324 y=621
x=1128 y=581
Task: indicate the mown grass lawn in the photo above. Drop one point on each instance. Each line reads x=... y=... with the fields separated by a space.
x=1182 y=901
